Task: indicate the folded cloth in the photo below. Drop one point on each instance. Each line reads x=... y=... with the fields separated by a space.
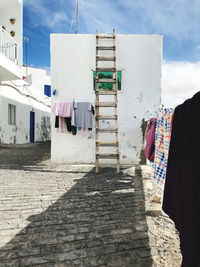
x=63 y=109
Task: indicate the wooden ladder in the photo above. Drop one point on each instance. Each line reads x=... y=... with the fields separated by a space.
x=101 y=105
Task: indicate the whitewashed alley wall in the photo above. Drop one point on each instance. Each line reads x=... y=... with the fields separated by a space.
x=37 y=77
x=20 y=133
x=72 y=61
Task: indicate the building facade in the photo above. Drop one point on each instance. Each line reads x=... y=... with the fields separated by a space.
x=38 y=78
x=139 y=59
x=24 y=110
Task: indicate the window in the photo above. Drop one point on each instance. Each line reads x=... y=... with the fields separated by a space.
x=11 y=114
x=107 y=75
x=47 y=90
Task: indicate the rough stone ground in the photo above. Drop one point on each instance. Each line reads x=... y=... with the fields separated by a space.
x=161 y=229
x=54 y=215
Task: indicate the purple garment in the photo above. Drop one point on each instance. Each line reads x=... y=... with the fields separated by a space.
x=63 y=109
x=150 y=140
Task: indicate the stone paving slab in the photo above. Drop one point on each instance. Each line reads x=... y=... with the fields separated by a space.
x=70 y=216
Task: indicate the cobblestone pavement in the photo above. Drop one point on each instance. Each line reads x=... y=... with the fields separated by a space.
x=69 y=216
x=18 y=156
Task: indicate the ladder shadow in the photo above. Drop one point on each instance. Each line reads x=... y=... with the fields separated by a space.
x=100 y=221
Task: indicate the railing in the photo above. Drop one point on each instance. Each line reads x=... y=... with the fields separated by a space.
x=8 y=46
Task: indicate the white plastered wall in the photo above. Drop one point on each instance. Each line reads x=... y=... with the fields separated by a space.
x=37 y=78
x=12 y=9
x=139 y=58
x=20 y=133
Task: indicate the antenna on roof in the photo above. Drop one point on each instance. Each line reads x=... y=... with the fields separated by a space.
x=76 y=15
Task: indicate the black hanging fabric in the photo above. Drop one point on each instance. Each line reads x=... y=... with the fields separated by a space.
x=74 y=130
x=182 y=188
x=57 y=122
x=68 y=124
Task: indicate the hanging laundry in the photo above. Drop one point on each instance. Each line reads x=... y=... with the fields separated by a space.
x=63 y=109
x=62 y=125
x=162 y=140
x=63 y=112
x=182 y=187
x=57 y=122
x=68 y=124
x=150 y=140
x=82 y=115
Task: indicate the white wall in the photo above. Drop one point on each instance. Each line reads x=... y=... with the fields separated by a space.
x=12 y=9
x=72 y=61
x=9 y=70
x=20 y=133
x=37 y=78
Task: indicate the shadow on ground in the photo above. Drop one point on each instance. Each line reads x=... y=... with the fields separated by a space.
x=17 y=156
x=100 y=221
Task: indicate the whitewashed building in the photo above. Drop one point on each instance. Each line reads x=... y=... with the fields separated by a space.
x=24 y=110
x=138 y=58
x=38 y=78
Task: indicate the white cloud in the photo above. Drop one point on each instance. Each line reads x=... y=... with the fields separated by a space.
x=43 y=15
x=103 y=15
x=180 y=80
x=178 y=18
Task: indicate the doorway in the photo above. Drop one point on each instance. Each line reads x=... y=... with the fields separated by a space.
x=32 y=127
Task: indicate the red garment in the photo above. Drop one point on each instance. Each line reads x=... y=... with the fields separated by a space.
x=150 y=140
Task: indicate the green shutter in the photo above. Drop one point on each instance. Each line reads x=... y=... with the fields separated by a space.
x=107 y=75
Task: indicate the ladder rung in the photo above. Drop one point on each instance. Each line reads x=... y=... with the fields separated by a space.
x=106 y=36
x=106 y=92
x=105 y=80
x=106 y=58
x=106 y=104
x=105 y=47
x=107 y=156
x=105 y=69
x=107 y=130
x=103 y=117
x=98 y=143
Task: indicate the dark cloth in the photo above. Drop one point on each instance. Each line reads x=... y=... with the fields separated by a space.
x=70 y=128
x=182 y=188
x=93 y=112
x=68 y=124
x=74 y=130
x=57 y=122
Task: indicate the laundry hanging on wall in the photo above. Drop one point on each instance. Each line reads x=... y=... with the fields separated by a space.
x=72 y=115
x=182 y=187
x=82 y=115
x=162 y=141
x=150 y=140
x=63 y=113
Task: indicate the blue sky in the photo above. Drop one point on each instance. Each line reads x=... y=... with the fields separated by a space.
x=178 y=21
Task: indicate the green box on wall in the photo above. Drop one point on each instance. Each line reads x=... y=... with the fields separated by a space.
x=107 y=75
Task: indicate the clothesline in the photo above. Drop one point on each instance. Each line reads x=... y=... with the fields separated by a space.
x=157 y=143
x=70 y=116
